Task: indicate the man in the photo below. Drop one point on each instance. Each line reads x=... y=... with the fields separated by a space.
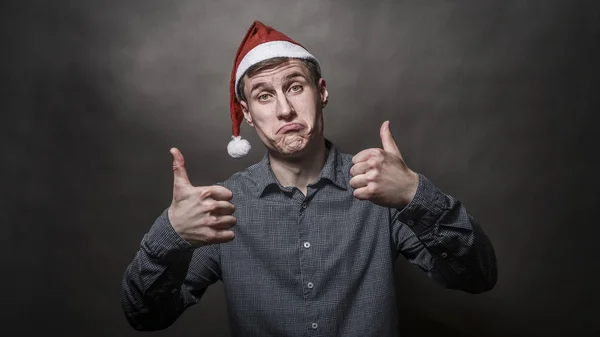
x=304 y=241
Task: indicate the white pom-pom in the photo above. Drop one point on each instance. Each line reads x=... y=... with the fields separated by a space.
x=238 y=147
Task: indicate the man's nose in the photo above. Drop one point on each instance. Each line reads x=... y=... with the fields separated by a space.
x=284 y=107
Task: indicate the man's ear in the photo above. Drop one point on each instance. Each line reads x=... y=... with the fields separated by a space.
x=323 y=92
x=246 y=112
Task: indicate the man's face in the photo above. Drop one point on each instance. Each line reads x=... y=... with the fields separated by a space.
x=285 y=107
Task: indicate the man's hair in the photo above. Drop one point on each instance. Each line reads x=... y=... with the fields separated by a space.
x=310 y=65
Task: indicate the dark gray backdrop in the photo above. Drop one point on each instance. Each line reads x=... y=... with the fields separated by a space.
x=492 y=100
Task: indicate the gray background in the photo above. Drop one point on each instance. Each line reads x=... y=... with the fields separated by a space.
x=492 y=100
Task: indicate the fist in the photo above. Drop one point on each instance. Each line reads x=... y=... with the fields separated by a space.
x=200 y=215
x=381 y=176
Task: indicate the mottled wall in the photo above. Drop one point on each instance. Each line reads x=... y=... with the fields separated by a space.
x=492 y=100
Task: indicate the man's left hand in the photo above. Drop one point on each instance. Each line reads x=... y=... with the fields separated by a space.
x=381 y=176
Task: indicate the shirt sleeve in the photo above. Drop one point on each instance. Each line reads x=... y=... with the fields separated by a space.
x=166 y=276
x=435 y=232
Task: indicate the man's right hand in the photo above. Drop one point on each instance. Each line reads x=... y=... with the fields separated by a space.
x=200 y=215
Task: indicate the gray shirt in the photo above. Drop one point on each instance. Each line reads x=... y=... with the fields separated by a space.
x=314 y=265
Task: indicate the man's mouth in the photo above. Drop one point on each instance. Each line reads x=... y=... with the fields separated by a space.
x=290 y=127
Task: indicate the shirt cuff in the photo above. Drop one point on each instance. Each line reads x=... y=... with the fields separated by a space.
x=162 y=240
x=426 y=208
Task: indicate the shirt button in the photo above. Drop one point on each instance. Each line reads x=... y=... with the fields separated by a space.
x=314 y=325
x=410 y=222
x=310 y=285
x=444 y=255
x=306 y=244
x=174 y=291
x=303 y=205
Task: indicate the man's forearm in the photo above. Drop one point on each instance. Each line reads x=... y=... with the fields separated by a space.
x=152 y=296
x=463 y=256
x=464 y=261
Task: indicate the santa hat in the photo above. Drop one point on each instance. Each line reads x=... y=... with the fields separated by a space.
x=260 y=43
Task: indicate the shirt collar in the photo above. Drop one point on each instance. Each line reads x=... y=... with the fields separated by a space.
x=332 y=172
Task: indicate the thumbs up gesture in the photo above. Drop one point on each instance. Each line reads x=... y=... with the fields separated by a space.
x=200 y=215
x=381 y=176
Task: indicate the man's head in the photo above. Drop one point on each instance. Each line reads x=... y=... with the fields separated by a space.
x=282 y=99
x=270 y=57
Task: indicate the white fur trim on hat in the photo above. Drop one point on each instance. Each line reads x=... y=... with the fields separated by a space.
x=267 y=50
x=238 y=147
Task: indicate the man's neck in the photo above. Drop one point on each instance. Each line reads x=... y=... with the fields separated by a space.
x=300 y=172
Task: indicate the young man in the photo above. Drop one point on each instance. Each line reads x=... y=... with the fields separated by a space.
x=304 y=241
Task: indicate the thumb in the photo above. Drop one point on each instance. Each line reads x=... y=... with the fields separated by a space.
x=180 y=176
x=387 y=140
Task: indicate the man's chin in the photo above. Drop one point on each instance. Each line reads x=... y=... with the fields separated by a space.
x=292 y=146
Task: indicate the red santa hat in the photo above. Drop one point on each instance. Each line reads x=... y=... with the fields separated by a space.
x=260 y=43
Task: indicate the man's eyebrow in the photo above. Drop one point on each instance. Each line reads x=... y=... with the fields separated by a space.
x=257 y=85
x=293 y=75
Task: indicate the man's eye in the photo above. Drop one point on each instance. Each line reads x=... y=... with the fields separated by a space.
x=296 y=88
x=263 y=97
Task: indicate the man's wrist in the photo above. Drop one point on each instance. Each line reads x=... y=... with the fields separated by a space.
x=425 y=208
x=411 y=191
x=162 y=239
